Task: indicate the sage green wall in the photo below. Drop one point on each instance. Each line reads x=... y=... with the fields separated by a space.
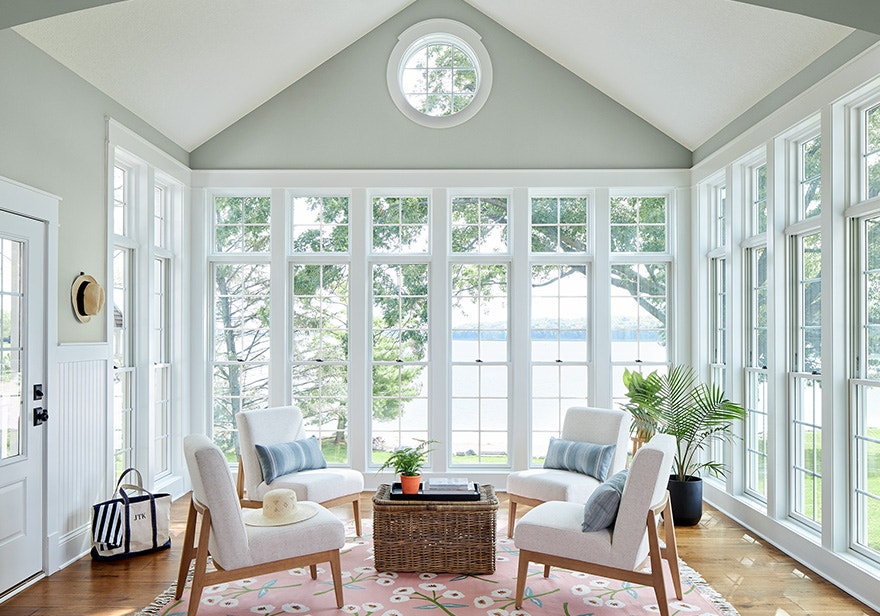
x=52 y=137
x=538 y=115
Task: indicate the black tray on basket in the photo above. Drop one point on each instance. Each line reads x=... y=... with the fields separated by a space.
x=396 y=493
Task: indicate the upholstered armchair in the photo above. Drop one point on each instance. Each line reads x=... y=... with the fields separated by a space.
x=238 y=550
x=583 y=425
x=278 y=426
x=553 y=533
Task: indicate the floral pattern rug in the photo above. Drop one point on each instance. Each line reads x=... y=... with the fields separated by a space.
x=369 y=592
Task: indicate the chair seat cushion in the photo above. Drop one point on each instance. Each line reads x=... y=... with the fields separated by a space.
x=601 y=508
x=546 y=484
x=318 y=485
x=580 y=457
x=322 y=532
x=283 y=458
x=555 y=528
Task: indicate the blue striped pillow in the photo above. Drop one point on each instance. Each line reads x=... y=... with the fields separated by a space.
x=601 y=508
x=585 y=458
x=283 y=458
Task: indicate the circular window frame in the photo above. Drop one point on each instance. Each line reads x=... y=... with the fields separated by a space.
x=445 y=31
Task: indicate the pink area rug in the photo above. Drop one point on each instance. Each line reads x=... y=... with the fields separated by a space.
x=378 y=593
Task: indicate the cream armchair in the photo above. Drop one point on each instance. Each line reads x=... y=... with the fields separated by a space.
x=538 y=485
x=330 y=486
x=551 y=534
x=239 y=551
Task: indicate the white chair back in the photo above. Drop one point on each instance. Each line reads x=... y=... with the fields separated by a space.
x=213 y=488
x=645 y=486
x=280 y=424
x=603 y=426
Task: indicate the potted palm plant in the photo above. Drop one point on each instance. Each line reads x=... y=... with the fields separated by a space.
x=696 y=414
x=408 y=463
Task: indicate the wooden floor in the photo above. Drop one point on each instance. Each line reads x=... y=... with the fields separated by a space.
x=756 y=578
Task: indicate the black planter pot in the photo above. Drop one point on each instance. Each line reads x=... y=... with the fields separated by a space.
x=686 y=498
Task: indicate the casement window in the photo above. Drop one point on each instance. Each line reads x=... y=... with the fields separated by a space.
x=641 y=263
x=400 y=277
x=240 y=265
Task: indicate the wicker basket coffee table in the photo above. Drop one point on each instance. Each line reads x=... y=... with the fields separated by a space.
x=434 y=536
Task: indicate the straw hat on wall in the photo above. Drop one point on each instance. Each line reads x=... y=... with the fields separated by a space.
x=87 y=297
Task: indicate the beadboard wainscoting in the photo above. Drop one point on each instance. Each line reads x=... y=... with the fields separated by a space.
x=78 y=469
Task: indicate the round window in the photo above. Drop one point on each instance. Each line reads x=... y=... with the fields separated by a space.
x=439 y=74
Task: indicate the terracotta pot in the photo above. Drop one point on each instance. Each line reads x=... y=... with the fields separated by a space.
x=410 y=484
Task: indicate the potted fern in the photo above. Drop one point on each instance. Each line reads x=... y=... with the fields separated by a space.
x=696 y=414
x=408 y=462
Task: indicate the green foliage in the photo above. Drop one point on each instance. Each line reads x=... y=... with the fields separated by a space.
x=694 y=413
x=408 y=460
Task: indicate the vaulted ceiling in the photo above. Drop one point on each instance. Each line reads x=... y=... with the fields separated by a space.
x=191 y=68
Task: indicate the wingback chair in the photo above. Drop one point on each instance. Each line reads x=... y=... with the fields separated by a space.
x=330 y=486
x=552 y=533
x=584 y=424
x=239 y=551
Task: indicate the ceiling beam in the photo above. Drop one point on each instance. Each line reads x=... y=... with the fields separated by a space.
x=17 y=12
x=859 y=14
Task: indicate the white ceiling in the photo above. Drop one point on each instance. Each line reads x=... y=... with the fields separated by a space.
x=191 y=68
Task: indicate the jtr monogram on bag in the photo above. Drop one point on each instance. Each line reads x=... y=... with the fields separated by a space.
x=139 y=516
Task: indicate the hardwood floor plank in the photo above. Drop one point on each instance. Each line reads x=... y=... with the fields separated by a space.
x=756 y=578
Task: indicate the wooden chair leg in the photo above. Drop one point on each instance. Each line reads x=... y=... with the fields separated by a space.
x=657 y=580
x=356 y=511
x=546 y=571
x=198 y=583
x=336 y=573
x=672 y=550
x=521 y=574
x=188 y=552
x=239 y=480
x=313 y=571
x=511 y=517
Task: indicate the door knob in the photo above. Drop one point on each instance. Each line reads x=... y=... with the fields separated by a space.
x=41 y=416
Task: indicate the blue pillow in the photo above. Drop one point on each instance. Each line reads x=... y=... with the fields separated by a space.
x=585 y=458
x=601 y=508
x=283 y=458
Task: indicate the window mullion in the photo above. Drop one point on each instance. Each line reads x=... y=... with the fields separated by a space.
x=279 y=321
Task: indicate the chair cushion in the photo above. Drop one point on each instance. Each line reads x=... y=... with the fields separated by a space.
x=317 y=485
x=601 y=508
x=555 y=528
x=550 y=484
x=319 y=533
x=284 y=458
x=585 y=458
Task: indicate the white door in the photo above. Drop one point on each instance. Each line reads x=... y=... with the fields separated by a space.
x=22 y=375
